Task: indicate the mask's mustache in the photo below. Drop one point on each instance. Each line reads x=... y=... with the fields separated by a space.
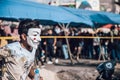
x=35 y=40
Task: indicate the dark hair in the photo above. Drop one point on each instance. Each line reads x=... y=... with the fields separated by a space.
x=112 y=27
x=13 y=26
x=26 y=24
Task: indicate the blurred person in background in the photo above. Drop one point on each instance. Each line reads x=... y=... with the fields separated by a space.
x=113 y=44
x=74 y=43
x=65 y=32
x=96 y=46
x=88 y=46
x=58 y=53
x=14 y=32
x=50 y=43
x=2 y=34
x=118 y=47
x=43 y=44
x=40 y=56
x=81 y=43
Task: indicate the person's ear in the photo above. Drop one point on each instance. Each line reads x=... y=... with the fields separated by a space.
x=24 y=36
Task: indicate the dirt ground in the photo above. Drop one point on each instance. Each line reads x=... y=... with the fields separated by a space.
x=84 y=70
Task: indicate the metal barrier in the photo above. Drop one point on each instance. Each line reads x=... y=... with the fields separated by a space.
x=85 y=37
x=16 y=37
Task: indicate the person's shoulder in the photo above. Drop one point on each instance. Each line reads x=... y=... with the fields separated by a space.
x=13 y=45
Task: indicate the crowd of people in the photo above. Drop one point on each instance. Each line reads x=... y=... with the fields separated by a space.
x=90 y=44
x=84 y=48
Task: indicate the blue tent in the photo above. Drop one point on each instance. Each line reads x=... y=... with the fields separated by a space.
x=26 y=9
x=106 y=18
x=96 y=16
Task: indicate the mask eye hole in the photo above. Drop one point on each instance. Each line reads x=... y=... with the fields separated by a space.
x=35 y=35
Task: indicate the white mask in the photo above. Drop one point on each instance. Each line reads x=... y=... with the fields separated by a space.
x=33 y=38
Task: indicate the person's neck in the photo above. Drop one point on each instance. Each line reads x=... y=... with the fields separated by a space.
x=26 y=46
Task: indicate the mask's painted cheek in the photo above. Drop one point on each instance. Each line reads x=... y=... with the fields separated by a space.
x=35 y=38
x=32 y=43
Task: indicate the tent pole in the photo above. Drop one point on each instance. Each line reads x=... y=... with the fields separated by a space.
x=68 y=45
x=67 y=25
x=60 y=25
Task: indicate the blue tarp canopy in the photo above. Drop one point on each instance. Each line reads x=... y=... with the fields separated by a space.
x=25 y=9
x=106 y=18
x=96 y=16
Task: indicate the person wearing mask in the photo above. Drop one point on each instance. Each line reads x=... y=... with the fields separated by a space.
x=20 y=55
